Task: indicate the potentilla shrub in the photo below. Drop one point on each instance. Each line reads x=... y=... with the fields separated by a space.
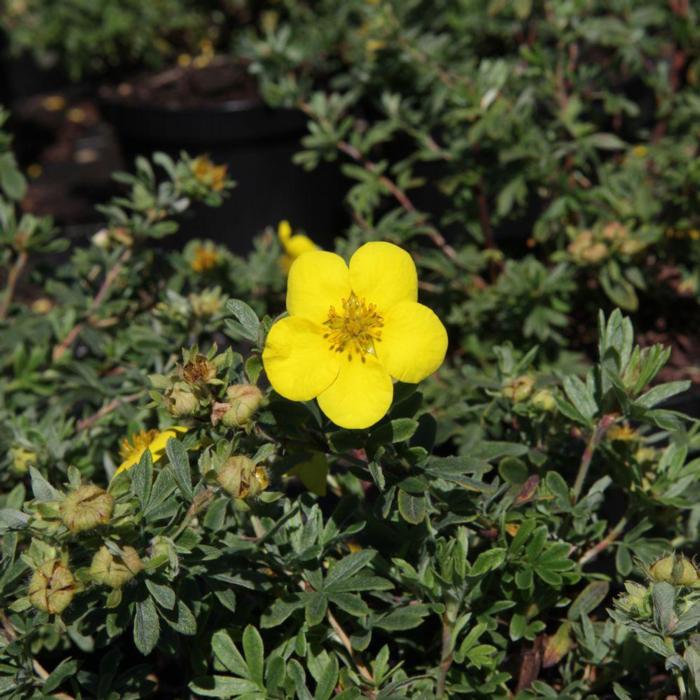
x=279 y=477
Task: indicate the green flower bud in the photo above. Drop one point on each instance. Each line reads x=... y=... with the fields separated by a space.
x=637 y=599
x=518 y=389
x=206 y=304
x=675 y=569
x=243 y=401
x=544 y=400
x=21 y=459
x=242 y=478
x=115 y=571
x=180 y=400
x=86 y=508
x=52 y=587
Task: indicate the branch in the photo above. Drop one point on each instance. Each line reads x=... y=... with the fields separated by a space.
x=60 y=349
x=345 y=641
x=12 y=277
x=598 y=434
x=594 y=551
x=447 y=656
x=88 y=422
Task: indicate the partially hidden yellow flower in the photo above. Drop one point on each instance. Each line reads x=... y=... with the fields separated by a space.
x=132 y=448
x=350 y=331
x=294 y=244
x=206 y=257
x=207 y=173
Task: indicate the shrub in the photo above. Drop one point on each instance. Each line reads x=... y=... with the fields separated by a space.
x=171 y=524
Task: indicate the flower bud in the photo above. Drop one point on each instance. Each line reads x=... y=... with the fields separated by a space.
x=86 y=508
x=544 y=400
x=115 y=571
x=21 y=459
x=636 y=600
x=675 y=569
x=199 y=371
x=242 y=478
x=206 y=304
x=101 y=239
x=595 y=254
x=42 y=305
x=518 y=389
x=243 y=401
x=181 y=401
x=52 y=587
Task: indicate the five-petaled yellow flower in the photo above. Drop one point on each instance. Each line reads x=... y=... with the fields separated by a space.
x=294 y=244
x=132 y=448
x=350 y=330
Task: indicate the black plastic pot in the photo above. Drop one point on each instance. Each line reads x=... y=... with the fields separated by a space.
x=257 y=144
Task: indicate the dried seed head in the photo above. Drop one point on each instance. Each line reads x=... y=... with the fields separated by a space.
x=52 y=587
x=115 y=571
x=86 y=508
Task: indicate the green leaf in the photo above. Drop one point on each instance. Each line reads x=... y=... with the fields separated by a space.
x=164 y=595
x=42 y=489
x=146 y=626
x=248 y=324
x=254 y=653
x=177 y=454
x=142 y=478
x=227 y=653
x=328 y=680
x=347 y=567
x=662 y=392
x=577 y=392
x=224 y=687
x=65 y=669
x=404 y=618
x=316 y=606
x=488 y=561
x=413 y=509
x=588 y=599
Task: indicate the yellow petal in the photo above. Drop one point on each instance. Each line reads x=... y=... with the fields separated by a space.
x=360 y=396
x=298 y=245
x=317 y=281
x=130 y=462
x=383 y=274
x=413 y=343
x=284 y=231
x=157 y=447
x=298 y=360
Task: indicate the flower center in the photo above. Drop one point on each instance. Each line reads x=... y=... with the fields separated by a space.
x=356 y=329
x=136 y=443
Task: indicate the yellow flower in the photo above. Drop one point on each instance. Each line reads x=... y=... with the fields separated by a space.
x=207 y=173
x=206 y=257
x=622 y=433
x=350 y=330
x=132 y=448
x=294 y=245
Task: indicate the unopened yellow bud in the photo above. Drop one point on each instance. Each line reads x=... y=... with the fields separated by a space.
x=86 y=508
x=115 y=571
x=52 y=587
